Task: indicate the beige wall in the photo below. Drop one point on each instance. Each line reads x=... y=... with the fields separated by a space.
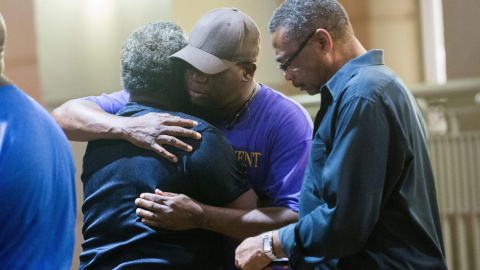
x=79 y=43
x=394 y=27
x=462 y=38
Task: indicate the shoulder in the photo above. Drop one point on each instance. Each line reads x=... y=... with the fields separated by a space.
x=19 y=115
x=18 y=107
x=11 y=95
x=371 y=82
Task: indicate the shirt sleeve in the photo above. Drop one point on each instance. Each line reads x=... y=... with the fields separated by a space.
x=219 y=178
x=288 y=160
x=351 y=185
x=110 y=103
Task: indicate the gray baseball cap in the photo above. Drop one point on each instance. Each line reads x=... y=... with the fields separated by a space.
x=220 y=38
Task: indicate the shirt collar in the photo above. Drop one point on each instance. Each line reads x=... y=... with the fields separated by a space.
x=337 y=83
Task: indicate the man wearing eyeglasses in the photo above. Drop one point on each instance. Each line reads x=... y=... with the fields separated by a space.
x=271 y=134
x=368 y=197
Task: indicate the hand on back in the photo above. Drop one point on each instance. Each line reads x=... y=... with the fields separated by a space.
x=153 y=130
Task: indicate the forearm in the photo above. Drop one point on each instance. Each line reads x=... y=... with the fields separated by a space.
x=84 y=120
x=241 y=223
x=277 y=246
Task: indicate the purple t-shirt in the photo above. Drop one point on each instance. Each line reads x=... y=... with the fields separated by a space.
x=271 y=140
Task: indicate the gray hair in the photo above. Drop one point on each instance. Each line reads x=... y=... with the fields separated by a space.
x=147 y=69
x=301 y=17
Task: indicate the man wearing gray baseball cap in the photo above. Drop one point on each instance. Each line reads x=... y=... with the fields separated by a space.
x=221 y=54
x=235 y=31
x=270 y=133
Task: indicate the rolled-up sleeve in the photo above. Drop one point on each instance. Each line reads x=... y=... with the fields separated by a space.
x=110 y=103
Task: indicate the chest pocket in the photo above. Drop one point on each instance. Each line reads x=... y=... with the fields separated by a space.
x=312 y=188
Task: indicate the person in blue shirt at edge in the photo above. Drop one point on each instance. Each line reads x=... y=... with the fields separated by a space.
x=37 y=182
x=115 y=172
x=368 y=198
x=270 y=133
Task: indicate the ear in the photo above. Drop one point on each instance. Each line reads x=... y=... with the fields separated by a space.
x=324 y=40
x=248 y=71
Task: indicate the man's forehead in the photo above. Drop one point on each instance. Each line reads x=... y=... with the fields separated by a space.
x=280 y=44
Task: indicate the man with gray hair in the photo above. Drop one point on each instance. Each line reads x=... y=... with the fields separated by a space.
x=368 y=197
x=116 y=172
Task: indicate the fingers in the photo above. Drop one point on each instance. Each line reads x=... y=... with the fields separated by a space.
x=169 y=133
x=152 y=219
x=169 y=140
x=154 y=214
x=154 y=130
x=148 y=215
x=150 y=223
x=164 y=153
x=177 y=121
x=178 y=126
x=153 y=223
x=157 y=198
x=151 y=205
x=182 y=132
x=166 y=194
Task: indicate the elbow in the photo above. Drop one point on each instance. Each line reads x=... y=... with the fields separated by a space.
x=58 y=115
x=65 y=118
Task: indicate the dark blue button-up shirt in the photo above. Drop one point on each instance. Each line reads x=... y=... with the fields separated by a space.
x=368 y=198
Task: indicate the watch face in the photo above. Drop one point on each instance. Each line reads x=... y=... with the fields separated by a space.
x=267 y=246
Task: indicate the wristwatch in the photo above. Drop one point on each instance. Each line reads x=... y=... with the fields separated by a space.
x=268 y=245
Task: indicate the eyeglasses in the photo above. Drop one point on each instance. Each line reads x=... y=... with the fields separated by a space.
x=292 y=57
